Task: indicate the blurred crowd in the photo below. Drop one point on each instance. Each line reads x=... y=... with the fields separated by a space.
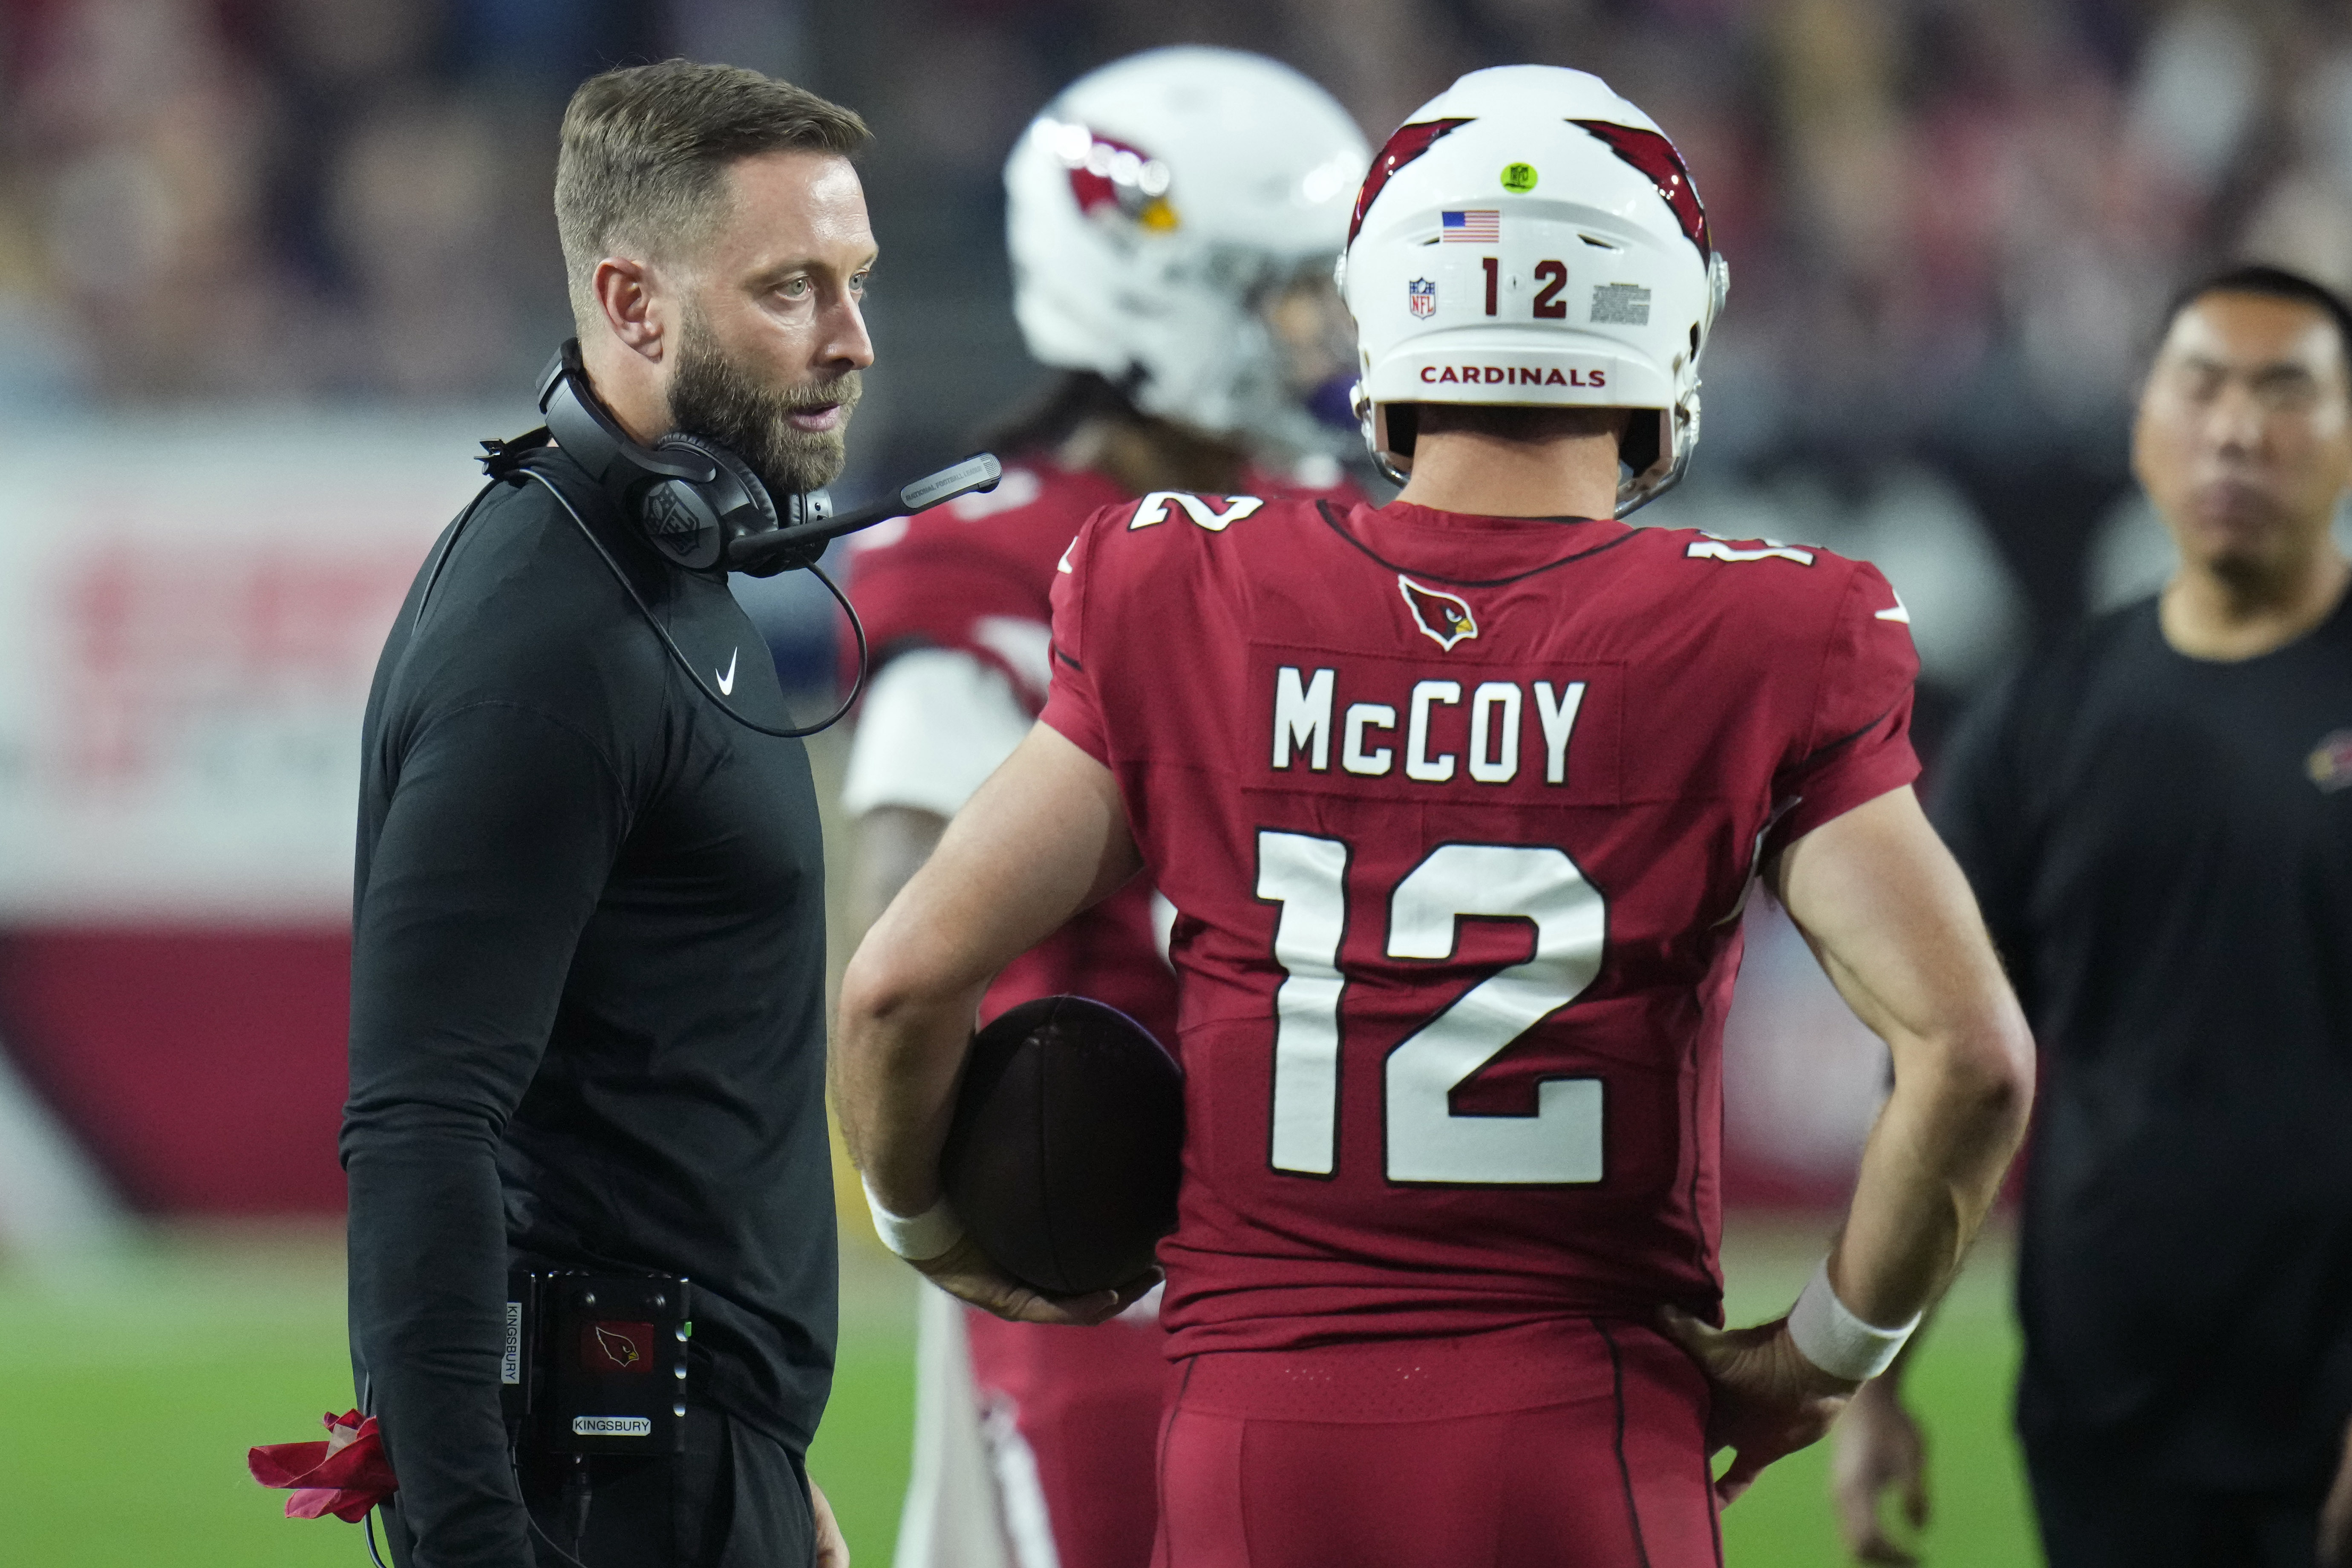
x=1950 y=223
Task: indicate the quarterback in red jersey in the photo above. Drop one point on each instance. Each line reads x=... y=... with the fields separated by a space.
x=1458 y=801
x=1034 y=1446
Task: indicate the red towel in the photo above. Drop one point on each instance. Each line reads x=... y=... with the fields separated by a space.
x=345 y=1476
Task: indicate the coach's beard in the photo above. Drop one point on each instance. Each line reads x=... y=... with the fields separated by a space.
x=711 y=397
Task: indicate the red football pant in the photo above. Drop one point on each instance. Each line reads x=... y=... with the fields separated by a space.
x=1088 y=1401
x=1572 y=1445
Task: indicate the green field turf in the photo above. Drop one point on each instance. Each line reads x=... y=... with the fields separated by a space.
x=132 y=1384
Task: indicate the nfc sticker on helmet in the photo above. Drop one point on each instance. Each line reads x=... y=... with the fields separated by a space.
x=1421 y=297
x=1518 y=178
x=1621 y=305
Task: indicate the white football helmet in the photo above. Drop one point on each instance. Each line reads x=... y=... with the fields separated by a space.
x=1154 y=205
x=1530 y=237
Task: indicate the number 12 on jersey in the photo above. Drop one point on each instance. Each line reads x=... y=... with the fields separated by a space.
x=1426 y=1142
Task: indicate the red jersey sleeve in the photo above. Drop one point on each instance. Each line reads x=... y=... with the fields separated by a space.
x=1072 y=705
x=1857 y=745
x=920 y=587
x=971 y=576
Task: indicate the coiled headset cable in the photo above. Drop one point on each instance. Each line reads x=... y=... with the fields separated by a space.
x=796 y=546
x=677 y=655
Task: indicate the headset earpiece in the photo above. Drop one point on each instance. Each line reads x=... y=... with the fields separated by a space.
x=697 y=503
x=692 y=498
x=693 y=523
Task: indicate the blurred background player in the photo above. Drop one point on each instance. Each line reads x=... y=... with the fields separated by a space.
x=2157 y=819
x=1172 y=218
x=1456 y=946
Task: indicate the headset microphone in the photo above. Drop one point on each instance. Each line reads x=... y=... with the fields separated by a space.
x=800 y=543
x=700 y=506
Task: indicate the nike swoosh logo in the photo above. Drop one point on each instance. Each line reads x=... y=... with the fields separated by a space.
x=727 y=682
x=1896 y=613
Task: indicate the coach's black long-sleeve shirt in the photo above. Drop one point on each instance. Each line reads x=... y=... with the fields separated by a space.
x=587 y=996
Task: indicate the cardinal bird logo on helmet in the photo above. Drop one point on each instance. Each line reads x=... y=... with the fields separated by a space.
x=1406 y=143
x=1444 y=618
x=1655 y=156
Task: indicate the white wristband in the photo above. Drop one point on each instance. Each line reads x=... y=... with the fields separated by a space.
x=925 y=1236
x=1829 y=1336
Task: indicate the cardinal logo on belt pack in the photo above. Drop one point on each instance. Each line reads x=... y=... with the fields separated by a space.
x=610 y=1347
x=1442 y=617
x=1421 y=297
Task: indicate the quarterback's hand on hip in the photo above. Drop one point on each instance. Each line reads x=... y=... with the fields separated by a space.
x=965 y=1271
x=1768 y=1399
x=1877 y=1448
x=832 y=1550
x=2336 y=1514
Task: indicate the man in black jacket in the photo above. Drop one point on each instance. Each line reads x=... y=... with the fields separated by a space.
x=2156 y=816
x=587 y=1021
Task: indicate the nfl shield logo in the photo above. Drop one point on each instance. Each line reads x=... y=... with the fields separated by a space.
x=1421 y=295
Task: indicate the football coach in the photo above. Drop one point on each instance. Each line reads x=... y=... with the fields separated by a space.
x=587 y=1040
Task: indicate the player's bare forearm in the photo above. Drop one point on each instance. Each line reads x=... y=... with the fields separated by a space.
x=1892 y=920
x=1042 y=839
x=893 y=842
x=896 y=1058
x=1894 y=923
x=1930 y=1173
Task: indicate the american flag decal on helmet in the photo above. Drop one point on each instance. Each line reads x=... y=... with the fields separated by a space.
x=1444 y=618
x=1655 y=156
x=1479 y=226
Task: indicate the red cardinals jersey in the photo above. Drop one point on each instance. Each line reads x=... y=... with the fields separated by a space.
x=975 y=576
x=1458 y=814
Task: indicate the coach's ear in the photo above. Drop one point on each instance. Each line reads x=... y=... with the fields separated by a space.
x=626 y=294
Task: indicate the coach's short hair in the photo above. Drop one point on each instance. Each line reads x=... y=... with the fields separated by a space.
x=646 y=149
x=2274 y=283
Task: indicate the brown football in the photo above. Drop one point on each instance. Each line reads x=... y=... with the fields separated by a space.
x=1063 y=1156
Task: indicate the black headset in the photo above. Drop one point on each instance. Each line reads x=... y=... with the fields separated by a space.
x=693 y=499
x=700 y=506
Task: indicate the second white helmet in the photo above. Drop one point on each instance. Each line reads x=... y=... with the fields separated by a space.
x=1530 y=237
x=1150 y=205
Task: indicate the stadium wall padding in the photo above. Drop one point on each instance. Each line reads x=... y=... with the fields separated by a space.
x=204 y=1070
x=204 y=1067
